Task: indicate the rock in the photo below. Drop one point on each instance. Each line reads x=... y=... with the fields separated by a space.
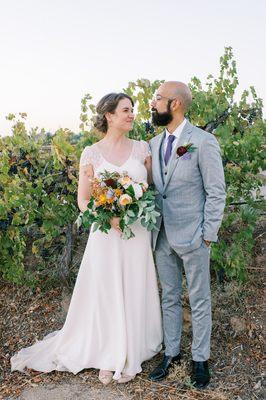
x=258 y=385
x=239 y=325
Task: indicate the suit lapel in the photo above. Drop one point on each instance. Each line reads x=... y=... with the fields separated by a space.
x=184 y=138
x=157 y=163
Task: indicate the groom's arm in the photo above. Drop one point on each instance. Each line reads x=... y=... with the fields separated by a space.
x=211 y=167
x=148 y=163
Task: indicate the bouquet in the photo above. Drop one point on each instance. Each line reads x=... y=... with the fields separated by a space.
x=117 y=195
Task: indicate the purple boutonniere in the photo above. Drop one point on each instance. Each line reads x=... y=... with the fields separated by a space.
x=185 y=151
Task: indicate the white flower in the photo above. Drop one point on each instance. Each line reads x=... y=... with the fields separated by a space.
x=137 y=190
x=110 y=194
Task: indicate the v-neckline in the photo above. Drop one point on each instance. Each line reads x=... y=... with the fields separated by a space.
x=115 y=165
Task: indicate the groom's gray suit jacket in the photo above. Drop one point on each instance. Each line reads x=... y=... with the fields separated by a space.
x=191 y=191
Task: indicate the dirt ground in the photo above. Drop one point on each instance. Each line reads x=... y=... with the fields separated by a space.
x=237 y=346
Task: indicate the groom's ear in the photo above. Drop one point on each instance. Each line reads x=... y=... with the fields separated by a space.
x=176 y=104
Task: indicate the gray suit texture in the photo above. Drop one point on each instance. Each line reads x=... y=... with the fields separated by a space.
x=191 y=199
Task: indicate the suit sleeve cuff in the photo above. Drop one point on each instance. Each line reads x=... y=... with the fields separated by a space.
x=210 y=237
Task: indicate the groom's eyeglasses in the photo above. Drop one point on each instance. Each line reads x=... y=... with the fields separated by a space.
x=158 y=97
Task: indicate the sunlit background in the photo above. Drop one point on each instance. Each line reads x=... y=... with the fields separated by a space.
x=54 y=51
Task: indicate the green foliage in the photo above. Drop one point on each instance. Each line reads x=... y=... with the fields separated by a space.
x=240 y=129
x=38 y=195
x=234 y=251
x=141 y=92
x=38 y=175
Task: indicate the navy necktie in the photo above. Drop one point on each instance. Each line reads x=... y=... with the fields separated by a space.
x=168 y=152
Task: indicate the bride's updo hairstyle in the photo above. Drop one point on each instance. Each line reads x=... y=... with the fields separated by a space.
x=107 y=104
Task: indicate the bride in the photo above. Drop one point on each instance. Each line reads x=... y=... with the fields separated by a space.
x=114 y=318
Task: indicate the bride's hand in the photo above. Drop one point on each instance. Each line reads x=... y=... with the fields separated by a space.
x=115 y=224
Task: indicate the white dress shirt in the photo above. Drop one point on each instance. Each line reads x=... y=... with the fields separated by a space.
x=176 y=133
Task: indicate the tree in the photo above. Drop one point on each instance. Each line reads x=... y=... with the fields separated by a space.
x=38 y=176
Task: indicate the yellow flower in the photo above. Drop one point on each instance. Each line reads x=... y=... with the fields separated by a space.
x=118 y=192
x=102 y=199
x=125 y=199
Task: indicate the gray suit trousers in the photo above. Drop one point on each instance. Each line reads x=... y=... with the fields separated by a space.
x=196 y=264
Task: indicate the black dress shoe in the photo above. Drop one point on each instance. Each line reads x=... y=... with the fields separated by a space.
x=162 y=370
x=200 y=374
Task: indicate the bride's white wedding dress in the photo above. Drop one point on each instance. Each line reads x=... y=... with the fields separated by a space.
x=114 y=318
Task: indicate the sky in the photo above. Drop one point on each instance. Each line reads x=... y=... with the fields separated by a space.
x=52 y=52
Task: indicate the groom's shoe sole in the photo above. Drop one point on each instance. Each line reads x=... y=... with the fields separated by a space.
x=162 y=370
x=200 y=386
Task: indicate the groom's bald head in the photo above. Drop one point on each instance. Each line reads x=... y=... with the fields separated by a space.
x=175 y=89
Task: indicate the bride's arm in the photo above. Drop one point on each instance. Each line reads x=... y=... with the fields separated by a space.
x=148 y=165
x=84 y=186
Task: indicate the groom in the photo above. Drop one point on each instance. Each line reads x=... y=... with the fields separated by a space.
x=188 y=175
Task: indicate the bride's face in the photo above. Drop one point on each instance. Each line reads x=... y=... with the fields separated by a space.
x=123 y=117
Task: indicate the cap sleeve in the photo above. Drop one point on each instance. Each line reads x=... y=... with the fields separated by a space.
x=145 y=149
x=86 y=157
x=91 y=156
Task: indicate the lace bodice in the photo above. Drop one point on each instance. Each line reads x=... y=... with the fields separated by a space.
x=134 y=165
x=92 y=155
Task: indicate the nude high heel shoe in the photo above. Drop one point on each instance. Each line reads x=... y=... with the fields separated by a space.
x=105 y=376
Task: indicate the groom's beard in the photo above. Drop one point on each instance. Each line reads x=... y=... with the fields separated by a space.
x=161 y=119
